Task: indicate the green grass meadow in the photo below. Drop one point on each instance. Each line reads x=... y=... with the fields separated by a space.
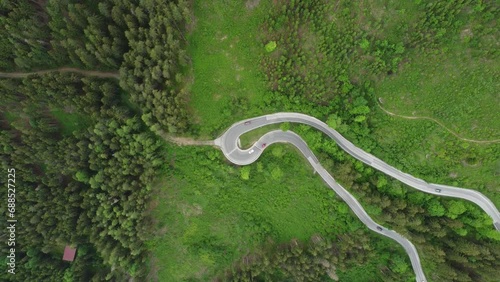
x=225 y=50
x=458 y=90
x=70 y=122
x=211 y=213
x=211 y=216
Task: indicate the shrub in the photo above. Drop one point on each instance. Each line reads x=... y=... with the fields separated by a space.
x=270 y=46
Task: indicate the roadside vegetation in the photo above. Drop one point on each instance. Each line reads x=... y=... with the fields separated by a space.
x=334 y=60
x=231 y=212
x=249 y=138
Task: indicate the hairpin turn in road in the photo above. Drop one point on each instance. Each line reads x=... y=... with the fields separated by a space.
x=228 y=143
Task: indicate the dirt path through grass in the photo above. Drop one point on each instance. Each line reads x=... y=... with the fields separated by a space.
x=185 y=141
x=438 y=122
x=63 y=69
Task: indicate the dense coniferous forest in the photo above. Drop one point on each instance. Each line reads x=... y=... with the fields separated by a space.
x=88 y=188
x=89 y=157
x=84 y=160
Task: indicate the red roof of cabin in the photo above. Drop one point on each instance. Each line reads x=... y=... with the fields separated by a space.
x=69 y=253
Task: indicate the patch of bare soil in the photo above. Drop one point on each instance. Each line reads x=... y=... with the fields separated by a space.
x=153 y=271
x=191 y=22
x=69 y=109
x=251 y=4
x=184 y=141
x=217 y=97
x=191 y=210
x=466 y=33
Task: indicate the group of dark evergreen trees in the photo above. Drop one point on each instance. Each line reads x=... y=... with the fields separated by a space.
x=87 y=183
x=143 y=40
x=89 y=189
x=152 y=68
x=319 y=259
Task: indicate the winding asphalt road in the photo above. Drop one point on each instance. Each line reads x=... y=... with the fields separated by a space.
x=228 y=142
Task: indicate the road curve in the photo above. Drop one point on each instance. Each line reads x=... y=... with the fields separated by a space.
x=228 y=143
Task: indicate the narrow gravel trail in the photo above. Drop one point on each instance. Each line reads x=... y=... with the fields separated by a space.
x=440 y=123
x=185 y=141
x=63 y=69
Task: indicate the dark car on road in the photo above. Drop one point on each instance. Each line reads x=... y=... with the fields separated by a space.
x=264 y=145
x=247 y=122
x=379 y=228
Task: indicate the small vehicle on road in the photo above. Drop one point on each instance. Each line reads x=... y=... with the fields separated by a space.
x=438 y=190
x=264 y=145
x=379 y=228
x=247 y=122
x=251 y=151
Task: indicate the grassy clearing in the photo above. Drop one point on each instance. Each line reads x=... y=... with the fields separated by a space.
x=212 y=212
x=455 y=88
x=210 y=216
x=424 y=149
x=225 y=51
x=71 y=122
x=249 y=138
